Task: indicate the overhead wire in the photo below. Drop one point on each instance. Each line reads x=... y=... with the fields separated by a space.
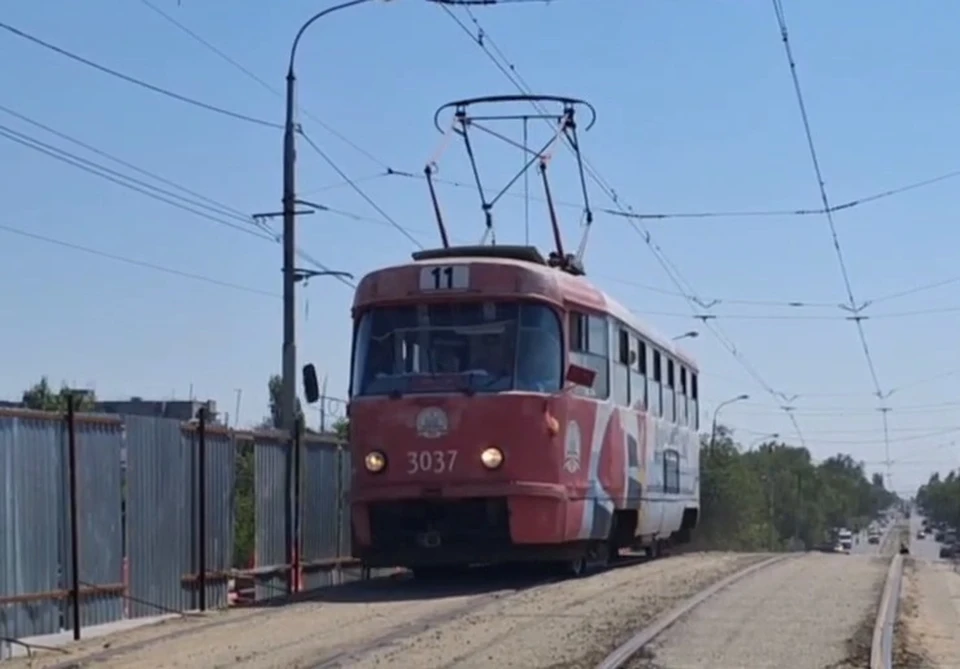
x=223 y=111
x=802 y=317
x=137 y=263
x=203 y=206
x=509 y=70
x=266 y=85
x=359 y=191
x=854 y=306
x=345 y=179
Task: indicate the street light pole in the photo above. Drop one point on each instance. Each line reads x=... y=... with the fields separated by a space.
x=713 y=429
x=288 y=406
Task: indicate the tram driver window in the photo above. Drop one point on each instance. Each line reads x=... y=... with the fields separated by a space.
x=539 y=350
x=589 y=347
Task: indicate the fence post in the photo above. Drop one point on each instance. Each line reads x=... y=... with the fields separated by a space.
x=202 y=505
x=74 y=516
x=298 y=447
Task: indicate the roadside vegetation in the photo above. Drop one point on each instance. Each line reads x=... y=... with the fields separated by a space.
x=776 y=497
x=940 y=499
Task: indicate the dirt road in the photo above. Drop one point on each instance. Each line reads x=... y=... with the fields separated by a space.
x=812 y=611
x=572 y=624
x=294 y=635
x=929 y=625
x=484 y=622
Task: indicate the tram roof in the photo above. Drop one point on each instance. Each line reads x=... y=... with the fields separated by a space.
x=577 y=289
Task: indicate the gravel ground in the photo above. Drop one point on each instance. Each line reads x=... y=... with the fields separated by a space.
x=816 y=611
x=930 y=615
x=570 y=624
x=282 y=637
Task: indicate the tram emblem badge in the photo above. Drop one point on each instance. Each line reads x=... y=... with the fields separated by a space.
x=432 y=423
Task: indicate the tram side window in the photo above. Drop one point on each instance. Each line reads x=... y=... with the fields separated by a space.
x=638 y=374
x=621 y=368
x=589 y=347
x=682 y=415
x=694 y=401
x=668 y=394
x=671 y=472
x=654 y=387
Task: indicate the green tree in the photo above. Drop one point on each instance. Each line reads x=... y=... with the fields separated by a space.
x=940 y=498
x=41 y=397
x=776 y=495
x=275 y=395
x=342 y=428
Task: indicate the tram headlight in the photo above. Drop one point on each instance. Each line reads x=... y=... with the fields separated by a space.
x=375 y=462
x=492 y=457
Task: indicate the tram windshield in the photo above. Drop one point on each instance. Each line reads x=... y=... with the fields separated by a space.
x=471 y=347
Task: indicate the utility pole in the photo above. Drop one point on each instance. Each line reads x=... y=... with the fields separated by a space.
x=886 y=447
x=288 y=403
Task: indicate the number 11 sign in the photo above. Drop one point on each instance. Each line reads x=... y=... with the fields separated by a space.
x=445 y=277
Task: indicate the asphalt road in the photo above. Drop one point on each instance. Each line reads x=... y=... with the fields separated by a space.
x=926 y=548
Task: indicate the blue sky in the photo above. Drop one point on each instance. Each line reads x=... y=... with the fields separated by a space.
x=696 y=112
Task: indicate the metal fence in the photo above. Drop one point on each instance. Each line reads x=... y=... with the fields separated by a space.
x=168 y=517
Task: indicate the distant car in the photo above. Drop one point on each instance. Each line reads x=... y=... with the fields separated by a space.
x=939 y=535
x=873 y=539
x=948 y=552
x=921 y=534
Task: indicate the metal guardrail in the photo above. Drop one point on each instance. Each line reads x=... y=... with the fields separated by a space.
x=881 y=649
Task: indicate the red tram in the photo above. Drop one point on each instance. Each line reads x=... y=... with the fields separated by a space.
x=504 y=410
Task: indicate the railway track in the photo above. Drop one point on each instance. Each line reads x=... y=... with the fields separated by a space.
x=632 y=654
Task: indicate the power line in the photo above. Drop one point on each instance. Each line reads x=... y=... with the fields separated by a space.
x=138 y=263
x=120 y=179
x=359 y=191
x=854 y=307
x=218 y=206
x=711 y=317
x=267 y=86
x=226 y=215
x=509 y=70
x=139 y=82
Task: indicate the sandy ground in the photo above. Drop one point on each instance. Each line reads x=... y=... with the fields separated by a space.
x=930 y=615
x=812 y=611
x=481 y=621
x=304 y=634
x=571 y=624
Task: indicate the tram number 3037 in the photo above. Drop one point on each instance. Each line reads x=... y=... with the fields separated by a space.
x=435 y=462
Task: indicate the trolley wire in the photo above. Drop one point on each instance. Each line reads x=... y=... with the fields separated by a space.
x=359 y=191
x=263 y=83
x=509 y=70
x=223 y=111
x=854 y=306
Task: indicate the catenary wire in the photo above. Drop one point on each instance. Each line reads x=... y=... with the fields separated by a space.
x=669 y=268
x=139 y=82
x=264 y=84
x=137 y=263
x=153 y=192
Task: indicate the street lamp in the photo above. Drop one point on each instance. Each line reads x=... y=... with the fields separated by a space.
x=693 y=334
x=713 y=429
x=288 y=405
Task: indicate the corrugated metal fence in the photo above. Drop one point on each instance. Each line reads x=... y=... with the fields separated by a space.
x=138 y=522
